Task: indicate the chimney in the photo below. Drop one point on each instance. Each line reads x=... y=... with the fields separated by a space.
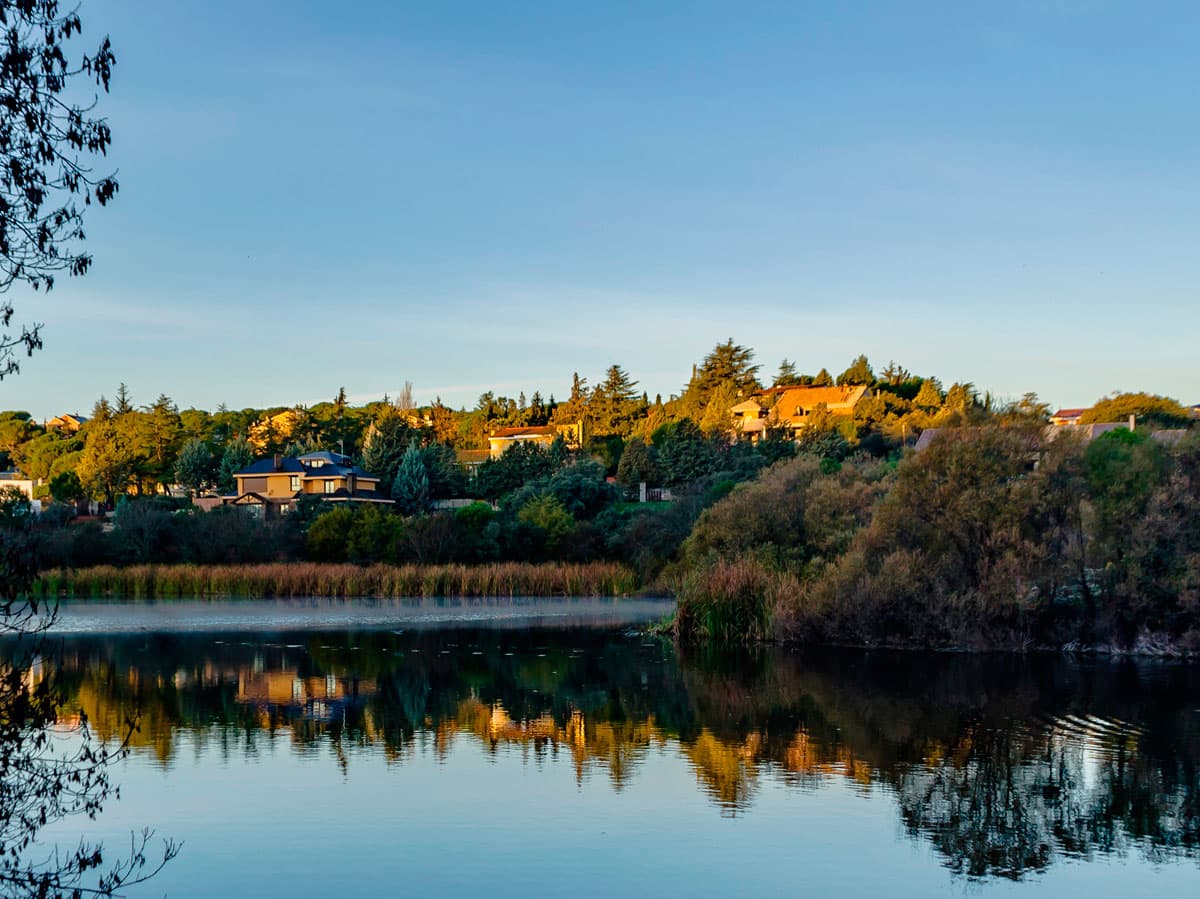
x=1132 y=421
x=278 y=462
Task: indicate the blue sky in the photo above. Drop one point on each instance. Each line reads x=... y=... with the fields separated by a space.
x=479 y=195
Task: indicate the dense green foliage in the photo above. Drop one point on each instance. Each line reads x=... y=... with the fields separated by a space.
x=990 y=538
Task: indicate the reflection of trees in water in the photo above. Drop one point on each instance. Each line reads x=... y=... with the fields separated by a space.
x=51 y=767
x=1002 y=764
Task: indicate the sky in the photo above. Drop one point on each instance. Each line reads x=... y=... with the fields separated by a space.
x=475 y=196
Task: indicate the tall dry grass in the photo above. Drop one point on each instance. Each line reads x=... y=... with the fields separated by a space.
x=732 y=601
x=304 y=579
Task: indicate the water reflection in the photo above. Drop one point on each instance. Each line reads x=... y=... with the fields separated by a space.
x=1003 y=765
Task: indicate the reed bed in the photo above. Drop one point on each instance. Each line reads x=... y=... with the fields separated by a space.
x=732 y=601
x=304 y=579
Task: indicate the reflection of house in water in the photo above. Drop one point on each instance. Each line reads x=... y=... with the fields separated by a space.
x=312 y=698
x=615 y=745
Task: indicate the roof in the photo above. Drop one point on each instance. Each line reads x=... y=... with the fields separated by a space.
x=796 y=401
x=747 y=406
x=1068 y=413
x=469 y=457
x=1033 y=440
x=268 y=466
x=294 y=466
x=518 y=433
x=326 y=456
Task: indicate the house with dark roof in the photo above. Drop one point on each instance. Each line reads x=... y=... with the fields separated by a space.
x=271 y=487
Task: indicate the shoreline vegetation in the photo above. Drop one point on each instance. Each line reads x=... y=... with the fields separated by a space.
x=989 y=539
x=312 y=579
x=1002 y=527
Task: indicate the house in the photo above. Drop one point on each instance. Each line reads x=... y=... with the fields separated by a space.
x=749 y=418
x=271 y=487
x=19 y=481
x=790 y=407
x=500 y=439
x=67 y=423
x=471 y=459
x=1067 y=417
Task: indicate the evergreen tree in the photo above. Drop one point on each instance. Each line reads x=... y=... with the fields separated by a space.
x=859 y=372
x=822 y=379
x=894 y=373
x=385 y=444
x=787 y=376
x=446 y=477
x=614 y=403
x=124 y=403
x=636 y=467
x=194 y=466
x=930 y=395
x=237 y=455
x=961 y=397
x=410 y=489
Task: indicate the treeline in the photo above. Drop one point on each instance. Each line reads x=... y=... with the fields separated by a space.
x=992 y=538
x=128 y=449
x=548 y=507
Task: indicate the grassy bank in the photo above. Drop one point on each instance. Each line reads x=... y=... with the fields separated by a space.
x=288 y=579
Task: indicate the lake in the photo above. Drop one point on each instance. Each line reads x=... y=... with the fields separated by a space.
x=330 y=748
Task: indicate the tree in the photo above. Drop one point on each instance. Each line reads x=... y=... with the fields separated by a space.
x=1150 y=409
x=787 y=376
x=410 y=489
x=636 y=466
x=163 y=432
x=729 y=366
x=961 y=397
x=729 y=363
x=446 y=477
x=859 y=372
x=124 y=403
x=929 y=397
x=684 y=455
x=237 y=455
x=66 y=487
x=822 y=379
x=894 y=374
x=193 y=467
x=47 y=136
x=107 y=465
x=547 y=514
x=386 y=442
x=614 y=403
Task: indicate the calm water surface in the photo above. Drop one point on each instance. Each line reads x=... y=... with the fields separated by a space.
x=479 y=748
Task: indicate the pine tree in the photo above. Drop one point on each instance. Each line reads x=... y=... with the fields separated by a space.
x=787 y=376
x=193 y=467
x=410 y=489
x=124 y=402
x=930 y=394
x=859 y=372
x=237 y=456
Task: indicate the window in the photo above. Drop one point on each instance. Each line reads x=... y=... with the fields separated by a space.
x=295 y=483
x=330 y=486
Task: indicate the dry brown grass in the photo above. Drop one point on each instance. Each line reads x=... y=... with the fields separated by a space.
x=286 y=579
